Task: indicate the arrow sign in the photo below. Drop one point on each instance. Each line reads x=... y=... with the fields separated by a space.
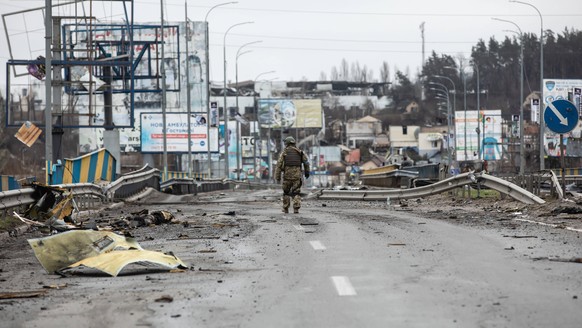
x=563 y=120
x=561 y=116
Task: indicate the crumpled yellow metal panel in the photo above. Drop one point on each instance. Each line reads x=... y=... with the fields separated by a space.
x=59 y=251
x=63 y=208
x=113 y=262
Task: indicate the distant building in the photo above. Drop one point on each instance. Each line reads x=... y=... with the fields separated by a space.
x=431 y=141
x=404 y=136
x=366 y=129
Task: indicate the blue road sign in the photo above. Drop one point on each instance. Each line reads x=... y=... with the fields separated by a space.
x=561 y=116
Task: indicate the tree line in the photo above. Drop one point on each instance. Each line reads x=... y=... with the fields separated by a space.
x=495 y=63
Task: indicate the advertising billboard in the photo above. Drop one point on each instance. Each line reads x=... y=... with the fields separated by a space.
x=152 y=133
x=290 y=113
x=180 y=71
x=488 y=141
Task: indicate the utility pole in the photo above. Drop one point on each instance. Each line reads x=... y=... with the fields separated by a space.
x=422 y=63
x=48 y=116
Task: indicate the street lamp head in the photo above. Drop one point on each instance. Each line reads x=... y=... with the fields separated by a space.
x=508 y=21
x=244 y=45
x=242 y=53
x=218 y=5
x=233 y=26
x=263 y=73
x=438 y=84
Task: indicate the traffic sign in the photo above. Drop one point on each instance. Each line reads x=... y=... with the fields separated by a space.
x=561 y=116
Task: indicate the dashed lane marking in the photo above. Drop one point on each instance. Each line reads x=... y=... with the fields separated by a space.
x=317 y=245
x=343 y=286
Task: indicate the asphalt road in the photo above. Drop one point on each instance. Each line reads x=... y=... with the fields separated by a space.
x=335 y=264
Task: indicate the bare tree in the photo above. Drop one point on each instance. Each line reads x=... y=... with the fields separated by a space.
x=385 y=72
x=344 y=70
x=366 y=75
x=356 y=72
x=322 y=76
x=334 y=74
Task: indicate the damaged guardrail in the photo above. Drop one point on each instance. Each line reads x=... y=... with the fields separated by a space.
x=16 y=198
x=131 y=184
x=86 y=194
x=460 y=180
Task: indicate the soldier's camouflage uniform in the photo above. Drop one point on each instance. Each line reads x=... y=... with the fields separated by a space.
x=289 y=164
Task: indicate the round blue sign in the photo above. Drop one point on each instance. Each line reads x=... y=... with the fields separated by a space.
x=202 y=143
x=561 y=116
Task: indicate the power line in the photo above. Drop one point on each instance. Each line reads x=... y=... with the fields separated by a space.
x=343 y=49
x=353 y=13
x=345 y=40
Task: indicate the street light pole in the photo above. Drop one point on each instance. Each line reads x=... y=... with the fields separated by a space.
x=542 y=145
x=521 y=141
x=165 y=140
x=444 y=88
x=258 y=128
x=454 y=98
x=188 y=87
x=208 y=122
x=48 y=115
x=226 y=134
x=238 y=153
x=463 y=77
x=478 y=109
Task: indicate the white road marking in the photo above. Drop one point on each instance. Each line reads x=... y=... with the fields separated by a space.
x=298 y=227
x=317 y=245
x=343 y=286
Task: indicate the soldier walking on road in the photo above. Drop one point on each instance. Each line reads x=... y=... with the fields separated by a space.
x=289 y=164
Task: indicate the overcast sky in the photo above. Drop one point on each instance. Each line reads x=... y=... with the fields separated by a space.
x=302 y=38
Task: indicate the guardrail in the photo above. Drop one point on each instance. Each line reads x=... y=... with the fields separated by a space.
x=131 y=184
x=86 y=195
x=89 y=195
x=460 y=180
x=16 y=198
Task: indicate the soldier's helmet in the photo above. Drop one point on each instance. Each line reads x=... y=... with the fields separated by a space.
x=289 y=140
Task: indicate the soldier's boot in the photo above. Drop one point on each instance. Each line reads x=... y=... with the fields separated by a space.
x=295 y=210
x=285 y=210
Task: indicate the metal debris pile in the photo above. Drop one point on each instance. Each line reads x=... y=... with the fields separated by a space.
x=55 y=209
x=75 y=244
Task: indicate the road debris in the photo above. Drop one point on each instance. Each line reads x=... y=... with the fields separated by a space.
x=61 y=250
x=571 y=260
x=113 y=262
x=57 y=286
x=102 y=250
x=207 y=251
x=54 y=208
x=567 y=210
x=25 y=294
x=165 y=299
x=143 y=218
